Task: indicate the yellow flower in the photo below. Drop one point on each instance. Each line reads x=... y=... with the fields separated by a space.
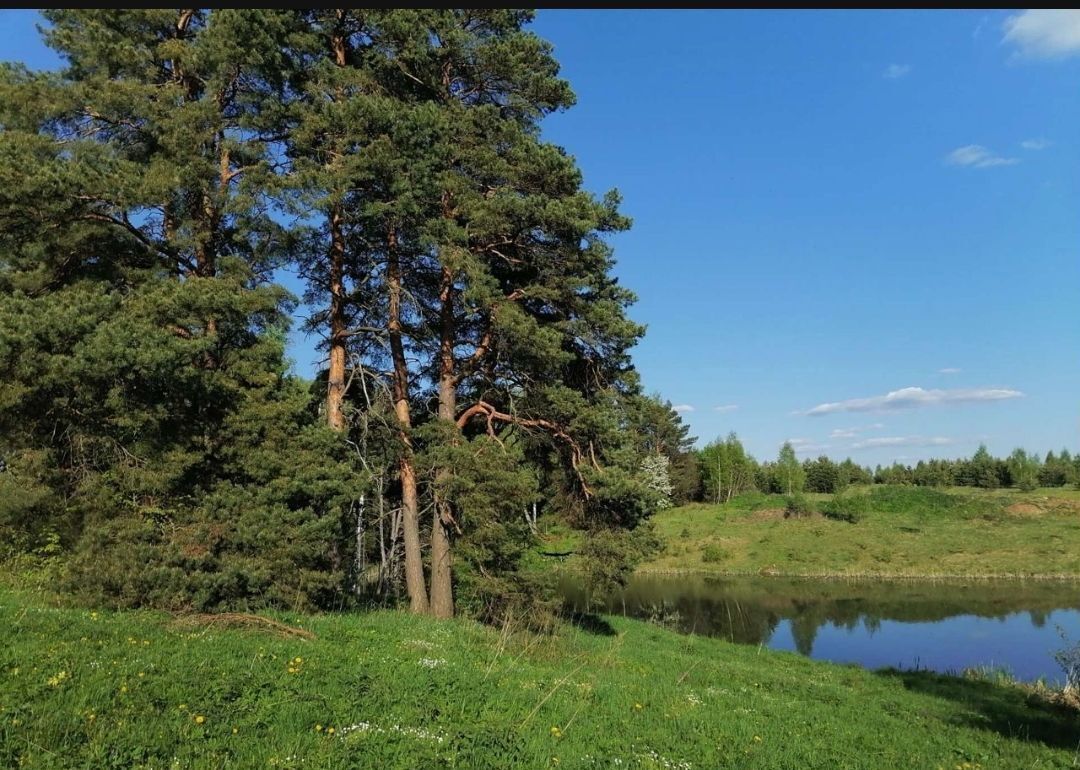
x=757 y=739
x=556 y=732
x=329 y=730
x=199 y=719
x=141 y=675
x=235 y=731
x=638 y=707
x=55 y=681
x=123 y=688
x=318 y=728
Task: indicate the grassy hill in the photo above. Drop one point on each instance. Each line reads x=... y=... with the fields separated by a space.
x=85 y=689
x=880 y=531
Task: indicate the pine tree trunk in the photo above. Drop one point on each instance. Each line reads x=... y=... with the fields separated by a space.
x=335 y=384
x=414 y=565
x=442 y=583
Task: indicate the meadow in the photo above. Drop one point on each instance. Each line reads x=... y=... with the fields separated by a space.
x=880 y=531
x=83 y=688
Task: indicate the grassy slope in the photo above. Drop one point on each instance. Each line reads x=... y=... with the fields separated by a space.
x=908 y=533
x=455 y=694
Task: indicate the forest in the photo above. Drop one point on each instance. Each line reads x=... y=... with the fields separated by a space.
x=457 y=272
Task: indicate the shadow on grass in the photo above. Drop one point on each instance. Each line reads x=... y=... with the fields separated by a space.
x=591 y=623
x=1009 y=711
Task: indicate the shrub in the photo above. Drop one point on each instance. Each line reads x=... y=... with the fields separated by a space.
x=796 y=506
x=851 y=508
x=713 y=554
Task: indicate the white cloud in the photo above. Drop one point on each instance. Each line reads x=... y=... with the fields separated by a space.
x=977 y=156
x=895 y=71
x=804 y=445
x=950 y=370
x=1044 y=34
x=1035 y=144
x=910 y=398
x=853 y=432
x=682 y=408
x=726 y=408
x=894 y=441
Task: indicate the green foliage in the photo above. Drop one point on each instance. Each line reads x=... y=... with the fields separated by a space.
x=797 y=505
x=660 y=430
x=1023 y=470
x=726 y=469
x=823 y=476
x=714 y=554
x=607 y=558
x=982 y=470
x=847 y=506
x=787 y=471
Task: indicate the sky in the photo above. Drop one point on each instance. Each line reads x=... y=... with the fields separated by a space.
x=857 y=231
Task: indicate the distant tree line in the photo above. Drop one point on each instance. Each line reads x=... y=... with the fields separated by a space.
x=723 y=469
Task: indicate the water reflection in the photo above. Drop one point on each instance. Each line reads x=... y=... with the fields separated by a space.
x=940 y=625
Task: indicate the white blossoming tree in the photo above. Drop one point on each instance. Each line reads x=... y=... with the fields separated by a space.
x=654 y=470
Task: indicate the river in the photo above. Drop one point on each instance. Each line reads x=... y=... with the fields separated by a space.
x=944 y=626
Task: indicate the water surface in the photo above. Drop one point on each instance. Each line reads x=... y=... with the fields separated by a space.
x=944 y=626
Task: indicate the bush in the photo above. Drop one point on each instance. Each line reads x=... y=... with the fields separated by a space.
x=713 y=554
x=851 y=508
x=797 y=506
x=1069 y=660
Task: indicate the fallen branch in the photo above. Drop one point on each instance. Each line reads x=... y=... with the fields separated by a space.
x=243 y=620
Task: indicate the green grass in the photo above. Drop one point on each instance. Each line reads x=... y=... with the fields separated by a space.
x=80 y=689
x=880 y=531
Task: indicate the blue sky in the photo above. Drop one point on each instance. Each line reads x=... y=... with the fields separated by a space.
x=856 y=230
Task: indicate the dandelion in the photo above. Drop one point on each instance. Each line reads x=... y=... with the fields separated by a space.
x=235 y=730
x=318 y=728
x=757 y=739
x=556 y=732
x=329 y=730
x=123 y=688
x=638 y=707
x=199 y=719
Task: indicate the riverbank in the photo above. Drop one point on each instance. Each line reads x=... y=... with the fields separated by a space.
x=390 y=690
x=879 y=532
